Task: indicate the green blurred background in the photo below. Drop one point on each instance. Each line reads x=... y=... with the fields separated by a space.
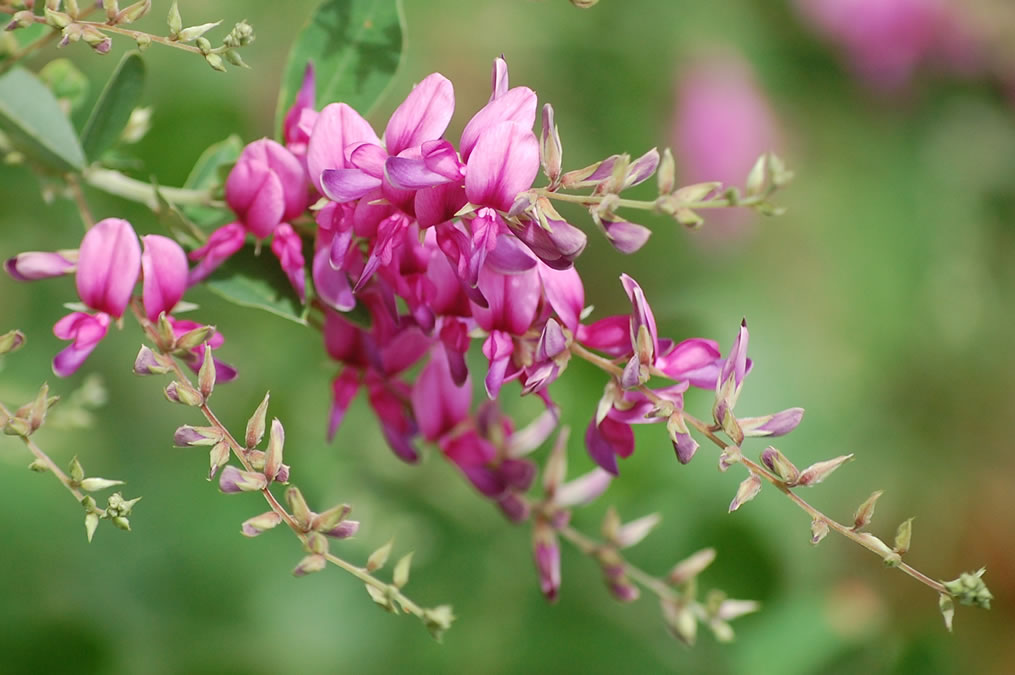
x=881 y=302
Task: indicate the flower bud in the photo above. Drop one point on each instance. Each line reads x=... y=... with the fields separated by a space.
x=143 y=41
x=819 y=529
x=112 y=8
x=583 y=489
x=819 y=471
x=188 y=436
x=903 y=536
x=748 y=490
x=947 y=608
x=546 y=552
x=150 y=363
x=96 y=484
x=970 y=589
x=550 y=150
x=865 y=512
x=323 y=522
x=690 y=567
x=314 y=562
x=22 y=19
x=666 y=177
x=11 y=341
x=555 y=470
x=206 y=373
x=273 y=455
x=133 y=12
x=194 y=338
x=258 y=524
x=779 y=464
x=91 y=522
x=76 y=471
x=57 y=19
x=194 y=32
x=233 y=480
x=218 y=456
x=343 y=530
x=255 y=425
x=683 y=443
x=298 y=506
x=680 y=621
x=779 y=424
x=183 y=393
x=635 y=531
x=378 y=558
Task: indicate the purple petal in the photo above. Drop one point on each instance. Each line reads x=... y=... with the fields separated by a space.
x=33 y=265
x=337 y=127
x=164 y=265
x=504 y=163
x=346 y=185
x=108 y=266
x=332 y=285
x=423 y=116
x=624 y=236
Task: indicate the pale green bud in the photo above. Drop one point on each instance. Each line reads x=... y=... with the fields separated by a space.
x=379 y=557
x=174 y=20
x=255 y=425
x=96 y=484
x=400 y=577
x=194 y=32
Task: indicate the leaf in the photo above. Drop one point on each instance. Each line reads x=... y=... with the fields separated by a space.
x=356 y=47
x=257 y=281
x=206 y=176
x=111 y=112
x=36 y=125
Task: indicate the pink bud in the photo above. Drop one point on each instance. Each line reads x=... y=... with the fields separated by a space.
x=109 y=262
x=266 y=187
x=33 y=265
x=164 y=265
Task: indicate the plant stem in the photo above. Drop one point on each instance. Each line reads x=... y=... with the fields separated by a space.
x=649 y=205
x=709 y=432
x=44 y=458
x=116 y=183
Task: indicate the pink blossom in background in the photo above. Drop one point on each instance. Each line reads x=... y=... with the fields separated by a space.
x=886 y=41
x=722 y=124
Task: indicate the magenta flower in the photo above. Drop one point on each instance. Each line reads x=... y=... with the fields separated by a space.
x=108 y=266
x=300 y=118
x=337 y=131
x=503 y=163
x=437 y=402
x=221 y=244
x=85 y=331
x=288 y=248
x=266 y=187
x=35 y=265
x=164 y=268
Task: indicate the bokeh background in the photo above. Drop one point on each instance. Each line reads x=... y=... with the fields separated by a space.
x=882 y=302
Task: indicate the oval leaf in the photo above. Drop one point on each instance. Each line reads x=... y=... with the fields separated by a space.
x=32 y=118
x=257 y=281
x=207 y=174
x=355 y=45
x=111 y=112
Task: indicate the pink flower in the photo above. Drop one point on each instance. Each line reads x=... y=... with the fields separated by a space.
x=300 y=118
x=437 y=402
x=34 y=265
x=337 y=131
x=221 y=245
x=85 y=331
x=503 y=163
x=164 y=266
x=108 y=266
x=266 y=187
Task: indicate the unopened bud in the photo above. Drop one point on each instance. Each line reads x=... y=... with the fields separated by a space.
x=96 y=484
x=188 y=436
x=22 y=19
x=273 y=455
x=112 y=8
x=555 y=470
x=756 y=178
x=328 y=520
x=635 y=531
x=258 y=524
x=903 y=536
x=91 y=522
x=728 y=457
x=102 y=46
x=233 y=57
x=819 y=530
x=57 y=19
x=316 y=543
x=38 y=466
x=550 y=150
x=970 y=589
x=76 y=471
x=779 y=464
x=865 y=512
x=206 y=374
x=680 y=621
x=143 y=40
x=748 y=490
x=683 y=443
x=174 y=20
x=133 y=12
x=194 y=32
x=947 y=608
x=183 y=393
x=11 y=341
x=218 y=456
x=298 y=506
x=666 y=176
x=779 y=424
x=611 y=524
x=819 y=471
x=691 y=567
x=121 y=522
x=204 y=45
x=242 y=34
x=378 y=558
x=233 y=480
x=314 y=562
x=255 y=425
x=194 y=338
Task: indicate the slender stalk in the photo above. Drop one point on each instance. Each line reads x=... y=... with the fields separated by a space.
x=116 y=183
x=649 y=205
x=710 y=432
x=79 y=198
x=45 y=459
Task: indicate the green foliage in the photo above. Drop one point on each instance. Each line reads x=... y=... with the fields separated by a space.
x=32 y=118
x=355 y=46
x=208 y=173
x=256 y=281
x=112 y=110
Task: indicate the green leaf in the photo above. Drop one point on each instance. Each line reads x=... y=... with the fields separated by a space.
x=257 y=281
x=206 y=175
x=36 y=125
x=111 y=112
x=355 y=45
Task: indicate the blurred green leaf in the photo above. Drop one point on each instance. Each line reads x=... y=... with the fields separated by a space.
x=65 y=81
x=257 y=281
x=28 y=35
x=206 y=174
x=32 y=117
x=111 y=112
x=355 y=46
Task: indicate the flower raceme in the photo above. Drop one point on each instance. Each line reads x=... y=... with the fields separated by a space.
x=106 y=268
